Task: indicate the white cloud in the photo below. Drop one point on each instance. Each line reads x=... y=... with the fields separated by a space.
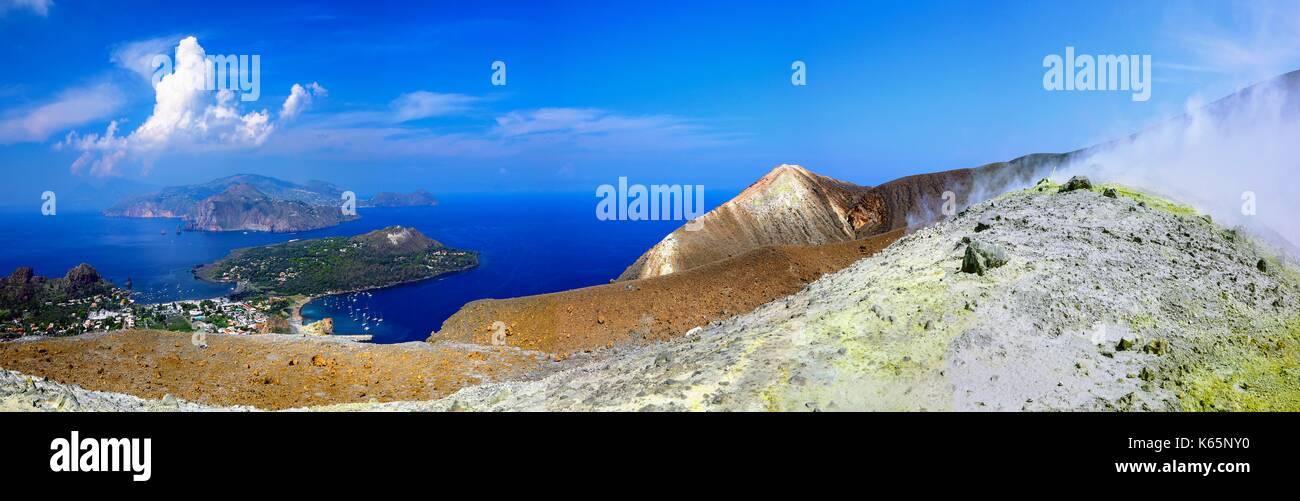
x=39 y=7
x=372 y=134
x=596 y=129
x=582 y=121
x=300 y=99
x=71 y=108
x=185 y=117
x=424 y=104
x=99 y=154
x=407 y=107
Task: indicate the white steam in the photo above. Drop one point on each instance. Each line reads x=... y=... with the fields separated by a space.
x=1214 y=158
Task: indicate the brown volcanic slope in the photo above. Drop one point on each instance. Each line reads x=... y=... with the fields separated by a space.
x=269 y=371
x=655 y=308
x=791 y=205
x=788 y=206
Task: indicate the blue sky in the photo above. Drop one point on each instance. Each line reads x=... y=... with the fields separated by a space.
x=664 y=92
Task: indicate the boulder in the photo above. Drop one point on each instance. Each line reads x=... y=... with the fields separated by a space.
x=982 y=256
x=1077 y=183
x=1156 y=347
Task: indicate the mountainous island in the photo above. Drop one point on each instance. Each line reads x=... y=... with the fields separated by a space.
x=380 y=258
x=250 y=202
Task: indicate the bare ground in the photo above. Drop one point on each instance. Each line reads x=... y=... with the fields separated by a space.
x=268 y=371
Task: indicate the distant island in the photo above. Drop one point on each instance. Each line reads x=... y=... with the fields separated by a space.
x=250 y=202
x=243 y=202
x=418 y=198
x=380 y=258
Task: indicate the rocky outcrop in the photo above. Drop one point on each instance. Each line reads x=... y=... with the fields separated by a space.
x=21 y=275
x=24 y=291
x=322 y=327
x=82 y=275
x=274 y=324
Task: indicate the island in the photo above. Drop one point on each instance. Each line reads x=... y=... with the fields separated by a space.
x=417 y=198
x=251 y=202
x=381 y=258
x=243 y=202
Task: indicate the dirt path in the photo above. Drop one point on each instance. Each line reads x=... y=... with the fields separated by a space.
x=269 y=371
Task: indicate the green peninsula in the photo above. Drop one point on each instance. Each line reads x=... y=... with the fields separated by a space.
x=380 y=258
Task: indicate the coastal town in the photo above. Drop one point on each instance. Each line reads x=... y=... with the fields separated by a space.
x=115 y=310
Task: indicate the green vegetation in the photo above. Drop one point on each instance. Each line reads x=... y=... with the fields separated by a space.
x=328 y=265
x=1151 y=201
x=1048 y=186
x=178 y=324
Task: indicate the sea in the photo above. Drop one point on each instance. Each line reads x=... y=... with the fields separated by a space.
x=528 y=243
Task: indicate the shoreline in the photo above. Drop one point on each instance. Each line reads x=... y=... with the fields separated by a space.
x=296 y=320
x=295 y=314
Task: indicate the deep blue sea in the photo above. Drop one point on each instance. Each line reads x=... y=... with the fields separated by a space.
x=527 y=244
